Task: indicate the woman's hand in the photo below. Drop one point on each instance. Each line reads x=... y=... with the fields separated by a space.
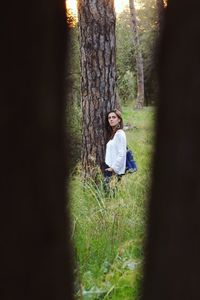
x=109 y=169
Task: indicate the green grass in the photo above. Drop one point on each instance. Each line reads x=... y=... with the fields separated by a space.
x=109 y=232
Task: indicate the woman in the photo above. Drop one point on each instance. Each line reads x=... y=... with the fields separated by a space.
x=115 y=158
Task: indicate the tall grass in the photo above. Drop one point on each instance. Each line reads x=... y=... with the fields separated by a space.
x=109 y=230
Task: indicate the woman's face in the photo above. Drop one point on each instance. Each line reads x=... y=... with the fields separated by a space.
x=113 y=119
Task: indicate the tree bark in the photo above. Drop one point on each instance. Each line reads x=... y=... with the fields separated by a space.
x=138 y=57
x=98 y=76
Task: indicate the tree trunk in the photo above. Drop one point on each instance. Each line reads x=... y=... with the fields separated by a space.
x=160 y=11
x=172 y=260
x=138 y=57
x=98 y=76
x=35 y=255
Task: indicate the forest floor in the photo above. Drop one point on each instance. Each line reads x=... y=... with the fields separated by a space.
x=109 y=232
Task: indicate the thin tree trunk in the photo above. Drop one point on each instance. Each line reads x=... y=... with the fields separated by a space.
x=98 y=76
x=138 y=57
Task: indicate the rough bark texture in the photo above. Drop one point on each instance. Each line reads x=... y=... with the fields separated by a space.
x=173 y=248
x=138 y=57
x=98 y=76
x=35 y=233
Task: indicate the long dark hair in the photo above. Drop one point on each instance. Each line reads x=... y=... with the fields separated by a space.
x=110 y=131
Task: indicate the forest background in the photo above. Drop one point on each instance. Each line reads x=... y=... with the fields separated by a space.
x=109 y=234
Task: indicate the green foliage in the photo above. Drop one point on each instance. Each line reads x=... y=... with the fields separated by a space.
x=147 y=28
x=73 y=106
x=127 y=86
x=73 y=67
x=109 y=230
x=73 y=129
x=124 y=58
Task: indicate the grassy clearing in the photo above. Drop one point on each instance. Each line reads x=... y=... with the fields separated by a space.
x=109 y=232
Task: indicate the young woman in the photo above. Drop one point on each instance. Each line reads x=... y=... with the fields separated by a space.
x=115 y=158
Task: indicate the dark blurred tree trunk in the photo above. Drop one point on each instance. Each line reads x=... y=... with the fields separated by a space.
x=172 y=261
x=160 y=12
x=138 y=57
x=35 y=231
x=98 y=79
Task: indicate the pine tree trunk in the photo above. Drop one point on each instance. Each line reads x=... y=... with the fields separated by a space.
x=98 y=77
x=138 y=57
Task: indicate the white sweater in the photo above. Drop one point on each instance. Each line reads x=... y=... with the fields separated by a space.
x=116 y=152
